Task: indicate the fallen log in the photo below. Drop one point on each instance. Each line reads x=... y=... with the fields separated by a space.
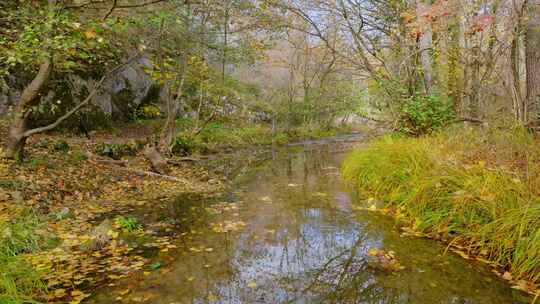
x=121 y=165
x=100 y=159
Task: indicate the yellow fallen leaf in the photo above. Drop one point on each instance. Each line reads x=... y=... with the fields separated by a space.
x=90 y=34
x=59 y=292
x=252 y=285
x=124 y=292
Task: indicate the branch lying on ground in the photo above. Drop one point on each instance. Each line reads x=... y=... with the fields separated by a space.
x=469 y=119
x=142 y=172
x=99 y=159
x=179 y=161
x=121 y=165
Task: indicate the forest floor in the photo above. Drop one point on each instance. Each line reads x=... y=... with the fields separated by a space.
x=66 y=224
x=61 y=212
x=477 y=189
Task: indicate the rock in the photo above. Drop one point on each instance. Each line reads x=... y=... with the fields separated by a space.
x=126 y=90
x=9 y=93
x=383 y=260
x=159 y=163
x=64 y=214
x=100 y=236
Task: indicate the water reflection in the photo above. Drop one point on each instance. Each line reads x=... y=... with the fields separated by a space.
x=292 y=237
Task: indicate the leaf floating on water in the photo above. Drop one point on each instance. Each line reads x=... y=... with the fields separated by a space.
x=124 y=292
x=252 y=285
x=59 y=292
x=524 y=286
x=507 y=276
x=384 y=260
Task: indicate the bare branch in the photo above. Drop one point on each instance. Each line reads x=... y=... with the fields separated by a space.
x=80 y=105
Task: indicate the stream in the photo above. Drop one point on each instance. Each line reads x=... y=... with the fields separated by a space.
x=289 y=233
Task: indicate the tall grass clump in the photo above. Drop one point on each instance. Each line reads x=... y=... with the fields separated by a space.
x=18 y=280
x=478 y=188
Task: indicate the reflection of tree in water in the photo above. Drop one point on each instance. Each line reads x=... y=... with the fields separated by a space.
x=347 y=278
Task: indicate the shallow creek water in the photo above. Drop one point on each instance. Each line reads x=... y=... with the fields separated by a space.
x=288 y=233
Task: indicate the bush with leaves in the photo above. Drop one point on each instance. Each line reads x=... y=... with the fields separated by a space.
x=117 y=151
x=422 y=114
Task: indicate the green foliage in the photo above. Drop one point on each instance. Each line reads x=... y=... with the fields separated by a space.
x=117 y=151
x=155 y=266
x=61 y=146
x=76 y=44
x=149 y=111
x=18 y=235
x=183 y=145
x=128 y=224
x=424 y=114
x=448 y=185
x=78 y=156
x=18 y=280
x=37 y=162
x=281 y=138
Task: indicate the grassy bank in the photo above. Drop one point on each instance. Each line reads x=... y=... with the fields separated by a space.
x=219 y=136
x=20 y=235
x=477 y=189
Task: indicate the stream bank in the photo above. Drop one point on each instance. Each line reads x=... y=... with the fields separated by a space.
x=289 y=232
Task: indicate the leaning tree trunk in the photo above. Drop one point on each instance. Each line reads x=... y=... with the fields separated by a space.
x=532 y=60
x=425 y=45
x=29 y=98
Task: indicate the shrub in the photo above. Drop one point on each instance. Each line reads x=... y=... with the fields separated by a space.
x=281 y=138
x=117 y=151
x=128 y=224
x=149 y=111
x=423 y=114
x=183 y=145
x=61 y=146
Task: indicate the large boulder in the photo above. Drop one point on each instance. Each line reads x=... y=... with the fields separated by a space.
x=127 y=89
x=9 y=94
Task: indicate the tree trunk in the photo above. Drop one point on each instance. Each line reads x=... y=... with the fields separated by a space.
x=532 y=60
x=425 y=44
x=454 y=54
x=519 y=103
x=29 y=98
x=474 y=95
